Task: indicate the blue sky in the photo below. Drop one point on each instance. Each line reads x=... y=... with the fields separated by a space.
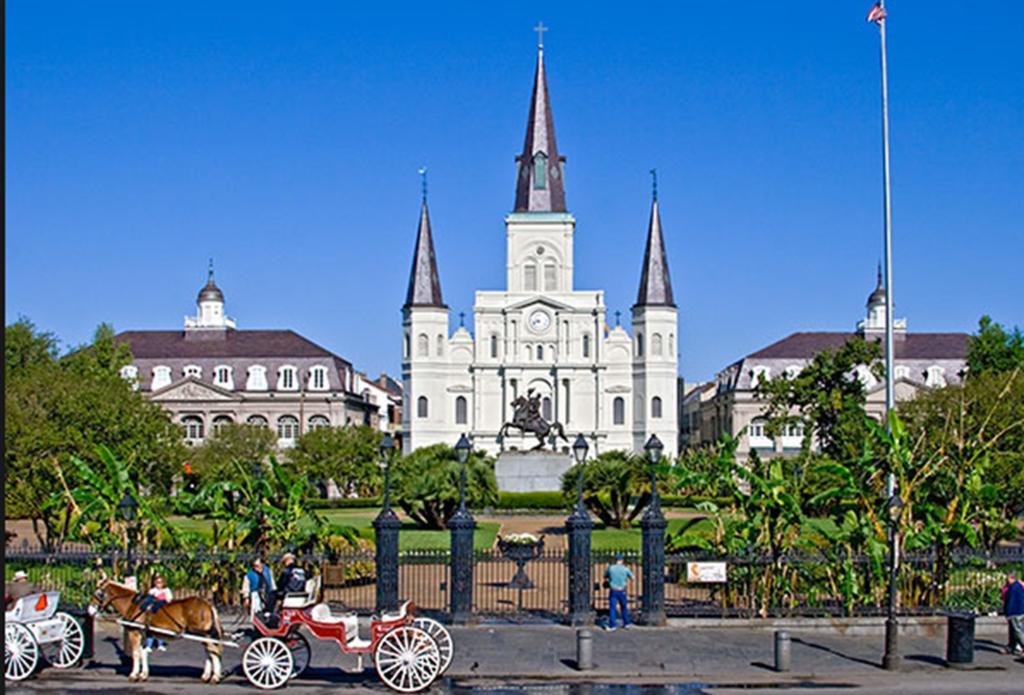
x=284 y=139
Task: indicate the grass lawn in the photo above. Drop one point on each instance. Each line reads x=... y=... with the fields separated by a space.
x=607 y=539
x=410 y=537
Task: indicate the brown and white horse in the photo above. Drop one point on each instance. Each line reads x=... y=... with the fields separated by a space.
x=193 y=615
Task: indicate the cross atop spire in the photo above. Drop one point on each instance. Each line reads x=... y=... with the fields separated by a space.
x=654 y=184
x=423 y=180
x=540 y=29
x=209 y=276
x=539 y=169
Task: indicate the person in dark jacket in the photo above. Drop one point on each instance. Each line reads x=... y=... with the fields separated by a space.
x=1013 y=608
x=292 y=580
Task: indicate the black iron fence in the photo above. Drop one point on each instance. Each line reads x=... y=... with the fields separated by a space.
x=795 y=585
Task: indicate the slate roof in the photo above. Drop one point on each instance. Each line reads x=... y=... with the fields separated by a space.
x=198 y=344
x=910 y=347
x=540 y=137
x=424 y=282
x=655 y=281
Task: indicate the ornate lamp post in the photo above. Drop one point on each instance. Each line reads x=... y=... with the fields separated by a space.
x=652 y=527
x=461 y=525
x=579 y=526
x=386 y=525
x=128 y=507
x=891 y=659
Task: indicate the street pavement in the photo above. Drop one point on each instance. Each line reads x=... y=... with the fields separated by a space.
x=540 y=660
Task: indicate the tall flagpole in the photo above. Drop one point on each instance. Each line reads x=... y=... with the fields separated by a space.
x=891 y=658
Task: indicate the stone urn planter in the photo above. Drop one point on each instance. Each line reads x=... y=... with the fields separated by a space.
x=521 y=548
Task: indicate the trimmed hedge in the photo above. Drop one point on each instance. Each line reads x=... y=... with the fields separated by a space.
x=345 y=503
x=531 y=500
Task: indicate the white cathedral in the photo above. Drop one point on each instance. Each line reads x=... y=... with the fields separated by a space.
x=540 y=334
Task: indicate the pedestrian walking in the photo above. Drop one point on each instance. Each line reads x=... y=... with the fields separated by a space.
x=159 y=594
x=257 y=587
x=1013 y=609
x=616 y=579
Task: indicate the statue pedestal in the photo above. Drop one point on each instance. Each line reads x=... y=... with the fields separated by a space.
x=531 y=471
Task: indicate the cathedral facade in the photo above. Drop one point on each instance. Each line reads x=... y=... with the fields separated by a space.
x=540 y=335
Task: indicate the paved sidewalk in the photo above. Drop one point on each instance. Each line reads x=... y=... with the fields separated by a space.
x=542 y=657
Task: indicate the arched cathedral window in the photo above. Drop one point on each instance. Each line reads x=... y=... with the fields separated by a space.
x=656 y=345
x=494 y=347
x=421 y=406
x=422 y=345
x=656 y=407
x=619 y=411
x=530 y=277
x=460 y=410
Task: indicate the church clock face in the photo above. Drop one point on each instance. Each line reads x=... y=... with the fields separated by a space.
x=539 y=321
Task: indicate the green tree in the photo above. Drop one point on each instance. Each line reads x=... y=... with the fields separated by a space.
x=347 y=455
x=56 y=408
x=616 y=487
x=425 y=483
x=94 y=499
x=231 y=448
x=994 y=348
x=827 y=397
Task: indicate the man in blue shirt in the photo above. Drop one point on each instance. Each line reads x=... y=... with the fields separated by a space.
x=1013 y=607
x=616 y=577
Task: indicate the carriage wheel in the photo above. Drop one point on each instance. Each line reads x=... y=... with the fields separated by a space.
x=267 y=663
x=443 y=638
x=299 y=647
x=21 y=653
x=407 y=659
x=65 y=652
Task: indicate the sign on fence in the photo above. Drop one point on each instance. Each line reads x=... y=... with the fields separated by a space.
x=705 y=572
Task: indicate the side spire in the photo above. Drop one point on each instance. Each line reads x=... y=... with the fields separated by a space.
x=539 y=170
x=424 y=283
x=655 y=281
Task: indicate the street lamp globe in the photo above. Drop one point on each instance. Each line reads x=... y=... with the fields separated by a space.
x=128 y=506
x=387 y=445
x=653 y=448
x=463 y=448
x=579 y=448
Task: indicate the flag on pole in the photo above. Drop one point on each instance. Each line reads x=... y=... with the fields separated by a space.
x=877 y=13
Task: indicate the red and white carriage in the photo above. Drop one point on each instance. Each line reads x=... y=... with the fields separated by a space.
x=35 y=629
x=409 y=653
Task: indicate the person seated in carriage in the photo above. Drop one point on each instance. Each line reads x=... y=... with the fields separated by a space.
x=292 y=580
x=257 y=587
x=19 y=587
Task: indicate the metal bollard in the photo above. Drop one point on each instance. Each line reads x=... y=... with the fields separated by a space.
x=584 y=650
x=782 y=651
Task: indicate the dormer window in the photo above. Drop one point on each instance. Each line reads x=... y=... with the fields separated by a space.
x=193 y=371
x=901 y=372
x=257 y=378
x=286 y=379
x=758 y=375
x=318 y=379
x=935 y=376
x=130 y=373
x=161 y=378
x=222 y=376
x=540 y=171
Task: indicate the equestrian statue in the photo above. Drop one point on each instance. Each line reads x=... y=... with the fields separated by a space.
x=526 y=417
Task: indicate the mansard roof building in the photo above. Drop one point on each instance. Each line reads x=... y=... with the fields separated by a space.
x=212 y=373
x=728 y=403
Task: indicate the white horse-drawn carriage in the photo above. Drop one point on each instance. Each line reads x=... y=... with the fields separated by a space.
x=34 y=630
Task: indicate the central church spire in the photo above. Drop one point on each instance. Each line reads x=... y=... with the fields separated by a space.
x=539 y=169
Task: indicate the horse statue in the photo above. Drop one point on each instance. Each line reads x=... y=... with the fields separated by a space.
x=193 y=615
x=526 y=417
